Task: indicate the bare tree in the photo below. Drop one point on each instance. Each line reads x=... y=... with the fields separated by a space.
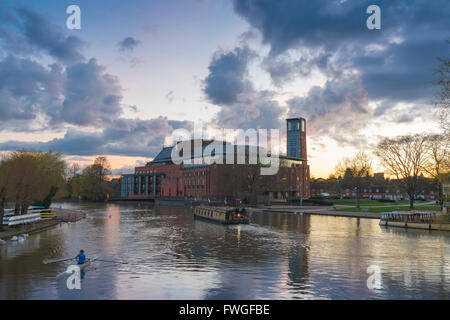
x=437 y=164
x=353 y=171
x=443 y=80
x=404 y=157
x=74 y=167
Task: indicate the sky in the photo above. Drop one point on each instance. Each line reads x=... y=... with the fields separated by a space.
x=137 y=70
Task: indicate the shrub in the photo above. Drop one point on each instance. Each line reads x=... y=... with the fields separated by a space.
x=385 y=200
x=317 y=202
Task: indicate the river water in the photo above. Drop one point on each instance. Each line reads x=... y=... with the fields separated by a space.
x=278 y=256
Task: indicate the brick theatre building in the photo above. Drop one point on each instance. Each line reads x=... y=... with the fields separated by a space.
x=163 y=178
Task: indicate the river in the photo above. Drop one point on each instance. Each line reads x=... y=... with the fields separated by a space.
x=278 y=256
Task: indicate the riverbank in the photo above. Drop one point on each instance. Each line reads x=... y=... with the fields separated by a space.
x=67 y=215
x=64 y=215
x=9 y=232
x=324 y=211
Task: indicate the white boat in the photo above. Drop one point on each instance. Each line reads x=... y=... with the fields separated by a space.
x=81 y=266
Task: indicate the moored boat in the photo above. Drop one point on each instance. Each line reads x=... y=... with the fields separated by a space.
x=413 y=219
x=222 y=214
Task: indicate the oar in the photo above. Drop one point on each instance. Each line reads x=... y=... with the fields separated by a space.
x=119 y=262
x=47 y=261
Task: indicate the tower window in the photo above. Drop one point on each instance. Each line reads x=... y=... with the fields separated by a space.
x=294 y=125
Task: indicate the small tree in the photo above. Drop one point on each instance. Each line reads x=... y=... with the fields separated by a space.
x=353 y=172
x=404 y=157
x=437 y=164
x=92 y=184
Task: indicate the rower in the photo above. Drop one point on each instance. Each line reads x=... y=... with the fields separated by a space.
x=81 y=257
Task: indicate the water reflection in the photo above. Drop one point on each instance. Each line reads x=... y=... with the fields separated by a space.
x=277 y=256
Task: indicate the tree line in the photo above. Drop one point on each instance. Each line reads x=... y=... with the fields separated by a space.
x=36 y=178
x=406 y=159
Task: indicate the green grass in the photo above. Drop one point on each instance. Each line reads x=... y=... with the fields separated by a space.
x=393 y=208
x=371 y=203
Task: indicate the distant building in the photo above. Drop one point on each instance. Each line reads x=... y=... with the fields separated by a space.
x=163 y=178
x=376 y=187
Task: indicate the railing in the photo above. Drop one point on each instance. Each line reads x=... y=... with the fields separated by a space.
x=411 y=216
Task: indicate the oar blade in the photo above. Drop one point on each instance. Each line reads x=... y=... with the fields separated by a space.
x=47 y=261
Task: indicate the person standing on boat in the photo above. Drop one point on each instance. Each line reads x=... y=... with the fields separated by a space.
x=81 y=257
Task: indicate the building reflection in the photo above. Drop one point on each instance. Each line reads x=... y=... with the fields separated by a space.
x=274 y=248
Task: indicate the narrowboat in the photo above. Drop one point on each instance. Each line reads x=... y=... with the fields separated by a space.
x=222 y=215
x=413 y=219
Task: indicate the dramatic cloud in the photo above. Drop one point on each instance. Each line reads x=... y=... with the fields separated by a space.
x=128 y=44
x=338 y=109
x=131 y=137
x=261 y=113
x=83 y=94
x=49 y=38
x=70 y=94
x=26 y=88
x=394 y=63
x=227 y=79
x=228 y=86
x=92 y=96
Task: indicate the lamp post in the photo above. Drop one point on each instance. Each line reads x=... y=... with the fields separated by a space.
x=301 y=194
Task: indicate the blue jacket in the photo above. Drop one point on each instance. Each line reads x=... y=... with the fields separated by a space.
x=81 y=257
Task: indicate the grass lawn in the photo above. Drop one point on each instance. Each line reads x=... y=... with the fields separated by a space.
x=393 y=208
x=372 y=203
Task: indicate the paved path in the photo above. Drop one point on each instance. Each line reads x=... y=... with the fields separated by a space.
x=325 y=211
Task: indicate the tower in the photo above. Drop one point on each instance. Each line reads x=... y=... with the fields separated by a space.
x=296 y=138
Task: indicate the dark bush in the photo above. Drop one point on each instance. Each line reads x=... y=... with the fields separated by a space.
x=385 y=200
x=314 y=202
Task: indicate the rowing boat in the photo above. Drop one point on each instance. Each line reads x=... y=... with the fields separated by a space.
x=81 y=266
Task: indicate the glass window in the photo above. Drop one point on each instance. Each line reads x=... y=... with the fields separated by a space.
x=303 y=125
x=293 y=125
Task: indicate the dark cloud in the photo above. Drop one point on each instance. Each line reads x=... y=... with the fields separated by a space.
x=80 y=97
x=394 y=64
x=83 y=94
x=48 y=37
x=131 y=137
x=92 y=96
x=26 y=88
x=228 y=86
x=227 y=79
x=128 y=44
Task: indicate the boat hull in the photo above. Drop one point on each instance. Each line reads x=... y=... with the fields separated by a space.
x=413 y=225
x=220 y=215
